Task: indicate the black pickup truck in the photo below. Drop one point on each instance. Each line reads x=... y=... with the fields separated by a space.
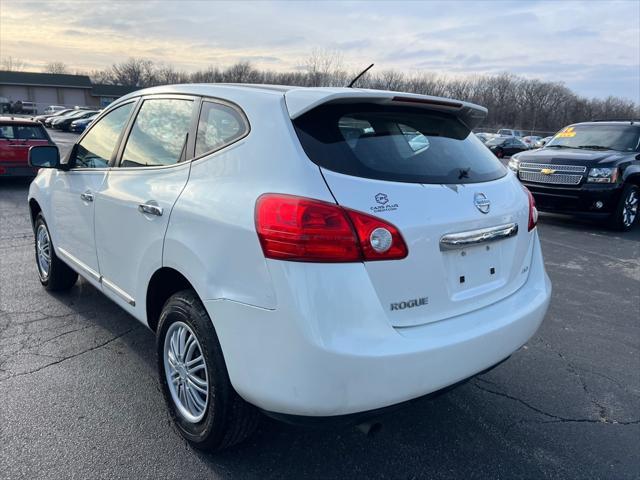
x=590 y=168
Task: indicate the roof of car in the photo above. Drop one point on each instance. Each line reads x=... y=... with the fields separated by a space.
x=18 y=121
x=303 y=99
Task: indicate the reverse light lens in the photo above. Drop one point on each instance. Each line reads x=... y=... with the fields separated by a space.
x=306 y=230
x=603 y=175
x=533 y=211
x=381 y=240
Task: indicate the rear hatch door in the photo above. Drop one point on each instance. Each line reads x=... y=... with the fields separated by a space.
x=422 y=170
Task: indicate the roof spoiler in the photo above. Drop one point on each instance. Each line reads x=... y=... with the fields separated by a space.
x=301 y=100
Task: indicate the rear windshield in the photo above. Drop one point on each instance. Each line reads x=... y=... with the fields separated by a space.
x=624 y=138
x=23 y=132
x=395 y=143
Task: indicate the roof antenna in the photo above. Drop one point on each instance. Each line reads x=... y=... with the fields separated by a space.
x=359 y=75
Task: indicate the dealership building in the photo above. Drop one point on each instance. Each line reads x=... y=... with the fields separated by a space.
x=46 y=89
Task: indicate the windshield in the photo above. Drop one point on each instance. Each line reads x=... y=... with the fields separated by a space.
x=624 y=138
x=401 y=144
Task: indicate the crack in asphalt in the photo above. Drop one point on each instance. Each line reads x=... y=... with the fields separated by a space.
x=69 y=357
x=556 y=418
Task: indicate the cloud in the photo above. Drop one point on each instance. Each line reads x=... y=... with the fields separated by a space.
x=594 y=47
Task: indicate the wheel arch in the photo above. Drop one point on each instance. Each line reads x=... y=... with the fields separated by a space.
x=633 y=178
x=163 y=283
x=34 y=209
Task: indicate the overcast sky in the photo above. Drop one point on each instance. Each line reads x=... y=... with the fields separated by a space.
x=592 y=46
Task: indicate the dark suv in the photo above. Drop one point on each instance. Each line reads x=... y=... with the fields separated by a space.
x=590 y=168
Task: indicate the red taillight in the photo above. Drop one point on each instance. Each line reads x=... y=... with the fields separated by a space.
x=306 y=230
x=533 y=211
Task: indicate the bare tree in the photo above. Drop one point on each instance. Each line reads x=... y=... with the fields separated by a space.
x=527 y=104
x=55 y=67
x=321 y=66
x=241 y=72
x=12 y=64
x=135 y=72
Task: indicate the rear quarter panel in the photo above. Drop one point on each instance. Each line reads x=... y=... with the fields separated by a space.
x=211 y=237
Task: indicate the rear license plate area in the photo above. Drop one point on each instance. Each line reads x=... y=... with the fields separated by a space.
x=474 y=270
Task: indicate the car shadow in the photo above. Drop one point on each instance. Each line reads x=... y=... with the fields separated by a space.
x=586 y=224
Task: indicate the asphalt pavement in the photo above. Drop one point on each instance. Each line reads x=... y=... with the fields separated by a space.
x=79 y=396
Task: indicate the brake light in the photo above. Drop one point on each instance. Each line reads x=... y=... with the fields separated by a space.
x=533 y=211
x=306 y=230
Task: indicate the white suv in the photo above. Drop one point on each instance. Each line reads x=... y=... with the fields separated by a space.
x=305 y=252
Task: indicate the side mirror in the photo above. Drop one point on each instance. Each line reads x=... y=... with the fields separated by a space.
x=44 y=156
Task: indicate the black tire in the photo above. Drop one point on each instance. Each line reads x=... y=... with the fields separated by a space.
x=618 y=220
x=228 y=419
x=60 y=276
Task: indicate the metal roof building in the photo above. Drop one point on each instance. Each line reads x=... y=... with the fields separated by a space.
x=46 y=89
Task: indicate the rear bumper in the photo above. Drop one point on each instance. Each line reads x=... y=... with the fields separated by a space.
x=576 y=200
x=335 y=353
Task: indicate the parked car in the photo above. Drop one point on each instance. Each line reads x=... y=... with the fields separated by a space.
x=543 y=141
x=508 y=132
x=51 y=109
x=484 y=137
x=53 y=122
x=505 y=146
x=590 y=168
x=531 y=140
x=42 y=118
x=276 y=252
x=17 y=135
x=64 y=123
x=79 y=126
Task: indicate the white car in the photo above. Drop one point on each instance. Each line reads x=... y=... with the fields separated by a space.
x=508 y=132
x=304 y=252
x=53 y=109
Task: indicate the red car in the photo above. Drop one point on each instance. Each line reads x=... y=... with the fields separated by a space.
x=17 y=135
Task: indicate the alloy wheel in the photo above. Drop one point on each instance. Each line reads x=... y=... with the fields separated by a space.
x=630 y=209
x=43 y=251
x=186 y=372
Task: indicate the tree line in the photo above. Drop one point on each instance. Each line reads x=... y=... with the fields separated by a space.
x=513 y=101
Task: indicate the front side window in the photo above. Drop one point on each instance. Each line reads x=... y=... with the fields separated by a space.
x=159 y=134
x=219 y=125
x=402 y=144
x=97 y=147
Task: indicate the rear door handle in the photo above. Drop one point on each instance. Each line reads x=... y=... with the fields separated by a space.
x=87 y=196
x=150 y=209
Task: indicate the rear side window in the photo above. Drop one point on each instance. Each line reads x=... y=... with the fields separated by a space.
x=159 y=134
x=23 y=132
x=29 y=132
x=400 y=144
x=219 y=125
x=6 y=132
